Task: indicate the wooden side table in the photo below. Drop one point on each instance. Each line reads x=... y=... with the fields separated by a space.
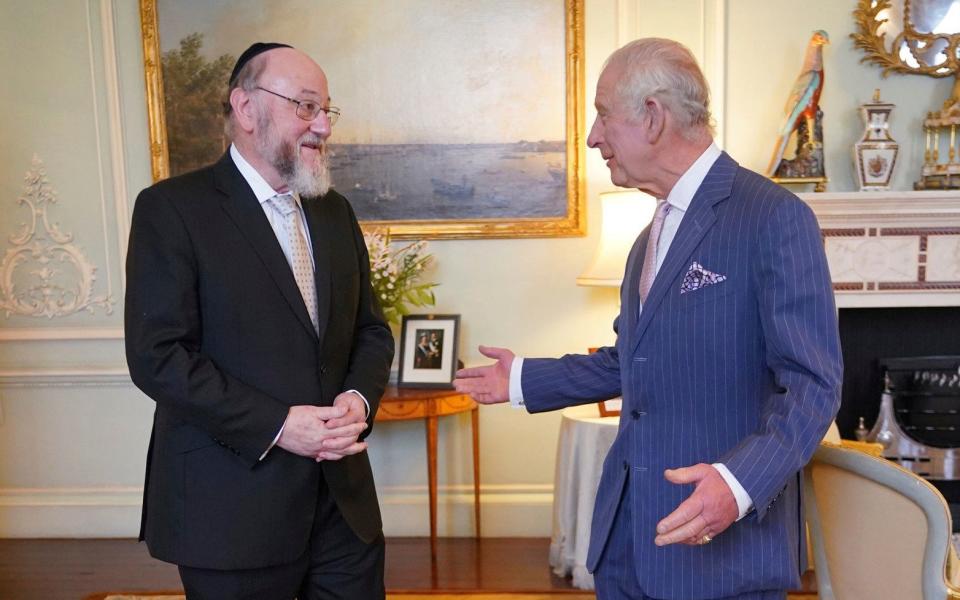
x=401 y=404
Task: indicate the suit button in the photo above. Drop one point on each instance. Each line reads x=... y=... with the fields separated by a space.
x=636 y=414
x=323 y=369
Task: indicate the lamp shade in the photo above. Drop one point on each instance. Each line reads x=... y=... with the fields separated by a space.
x=623 y=217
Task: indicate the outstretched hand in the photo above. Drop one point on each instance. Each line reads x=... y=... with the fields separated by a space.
x=490 y=384
x=709 y=510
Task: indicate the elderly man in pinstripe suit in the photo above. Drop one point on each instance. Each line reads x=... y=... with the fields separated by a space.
x=727 y=354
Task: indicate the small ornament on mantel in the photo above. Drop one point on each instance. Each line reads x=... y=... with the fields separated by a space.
x=803 y=121
x=875 y=155
x=941 y=165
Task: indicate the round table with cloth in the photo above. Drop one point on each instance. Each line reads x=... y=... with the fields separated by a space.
x=585 y=438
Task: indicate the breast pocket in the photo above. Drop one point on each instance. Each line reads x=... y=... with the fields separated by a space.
x=715 y=293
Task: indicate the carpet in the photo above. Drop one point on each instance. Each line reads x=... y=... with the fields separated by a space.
x=439 y=596
x=498 y=596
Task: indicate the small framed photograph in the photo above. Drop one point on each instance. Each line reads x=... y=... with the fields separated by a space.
x=608 y=408
x=429 y=348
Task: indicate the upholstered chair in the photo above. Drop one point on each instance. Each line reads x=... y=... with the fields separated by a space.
x=877 y=530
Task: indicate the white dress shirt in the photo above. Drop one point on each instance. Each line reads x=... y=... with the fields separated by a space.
x=679 y=199
x=264 y=192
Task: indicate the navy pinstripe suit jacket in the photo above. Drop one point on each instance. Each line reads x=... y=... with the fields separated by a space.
x=746 y=372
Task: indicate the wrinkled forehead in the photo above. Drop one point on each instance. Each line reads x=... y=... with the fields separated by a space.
x=607 y=93
x=293 y=73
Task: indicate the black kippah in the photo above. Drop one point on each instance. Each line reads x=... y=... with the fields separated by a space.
x=250 y=53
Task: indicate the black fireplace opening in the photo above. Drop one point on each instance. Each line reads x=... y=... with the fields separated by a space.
x=910 y=344
x=868 y=335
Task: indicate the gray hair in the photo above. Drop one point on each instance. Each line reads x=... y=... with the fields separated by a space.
x=247 y=79
x=665 y=70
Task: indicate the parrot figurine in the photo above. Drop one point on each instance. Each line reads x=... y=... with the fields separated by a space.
x=804 y=99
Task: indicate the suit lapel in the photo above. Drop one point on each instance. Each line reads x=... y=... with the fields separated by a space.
x=698 y=220
x=630 y=290
x=320 y=236
x=245 y=211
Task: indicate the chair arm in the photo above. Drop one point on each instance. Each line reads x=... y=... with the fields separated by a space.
x=871 y=448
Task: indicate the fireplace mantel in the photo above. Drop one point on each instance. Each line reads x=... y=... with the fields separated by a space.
x=891 y=248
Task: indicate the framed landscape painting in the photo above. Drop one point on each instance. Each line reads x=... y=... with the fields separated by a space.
x=461 y=119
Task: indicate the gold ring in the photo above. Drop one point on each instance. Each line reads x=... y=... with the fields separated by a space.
x=706 y=539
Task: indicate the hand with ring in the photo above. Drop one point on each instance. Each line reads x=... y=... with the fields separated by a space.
x=706 y=513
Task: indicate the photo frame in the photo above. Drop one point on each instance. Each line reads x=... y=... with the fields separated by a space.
x=436 y=171
x=429 y=351
x=611 y=407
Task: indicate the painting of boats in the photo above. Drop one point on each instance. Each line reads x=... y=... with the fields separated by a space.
x=451 y=181
x=459 y=119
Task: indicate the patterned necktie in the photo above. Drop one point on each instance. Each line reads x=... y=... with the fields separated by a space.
x=649 y=271
x=298 y=252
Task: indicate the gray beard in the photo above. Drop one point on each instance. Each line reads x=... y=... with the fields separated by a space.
x=308 y=180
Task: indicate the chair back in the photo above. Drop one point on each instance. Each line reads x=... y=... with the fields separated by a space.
x=878 y=531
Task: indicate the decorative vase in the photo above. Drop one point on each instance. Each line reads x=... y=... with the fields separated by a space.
x=875 y=155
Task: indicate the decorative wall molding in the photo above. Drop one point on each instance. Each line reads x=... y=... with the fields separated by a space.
x=73 y=512
x=114 y=511
x=628 y=17
x=72 y=496
x=112 y=96
x=711 y=53
x=43 y=272
x=83 y=377
x=522 y=493
x=111 y=165
x=47 y=334
x=714 y=60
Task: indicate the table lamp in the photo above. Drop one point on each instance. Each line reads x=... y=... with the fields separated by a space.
x=623 y=216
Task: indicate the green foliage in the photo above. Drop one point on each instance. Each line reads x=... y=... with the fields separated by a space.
x=193 y=90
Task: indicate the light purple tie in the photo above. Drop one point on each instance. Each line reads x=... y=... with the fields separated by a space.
x=649 y=271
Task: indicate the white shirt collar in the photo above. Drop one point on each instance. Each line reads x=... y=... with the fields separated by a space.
x=683 y=191
x=261 y=189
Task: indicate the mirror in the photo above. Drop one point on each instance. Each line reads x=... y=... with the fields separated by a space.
x=924 y=36
x=935 y=16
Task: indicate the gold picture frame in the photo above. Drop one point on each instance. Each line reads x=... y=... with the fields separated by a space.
x=572 y=222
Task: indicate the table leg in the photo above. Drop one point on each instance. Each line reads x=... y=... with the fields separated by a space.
x=432 y=481
x=475 y=427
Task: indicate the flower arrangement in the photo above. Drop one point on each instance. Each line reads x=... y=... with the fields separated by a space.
x=395 y=275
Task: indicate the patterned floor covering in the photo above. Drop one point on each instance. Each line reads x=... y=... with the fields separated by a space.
x=555 y=596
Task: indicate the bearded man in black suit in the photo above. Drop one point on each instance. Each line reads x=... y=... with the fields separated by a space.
x=251 y=323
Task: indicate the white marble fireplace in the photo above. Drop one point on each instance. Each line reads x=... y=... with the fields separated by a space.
x=891 y=249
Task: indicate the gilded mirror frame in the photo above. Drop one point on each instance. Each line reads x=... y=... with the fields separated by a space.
x=572 y=223
x=870 y=18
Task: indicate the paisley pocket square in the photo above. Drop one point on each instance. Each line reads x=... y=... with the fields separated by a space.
x=698 y=277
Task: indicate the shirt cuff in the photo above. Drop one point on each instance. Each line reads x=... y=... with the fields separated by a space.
x=273 y=443
x=367 y=404
x=744 y=502
x=516 y=390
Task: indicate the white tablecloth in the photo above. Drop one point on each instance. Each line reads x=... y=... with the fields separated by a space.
x=585 y=439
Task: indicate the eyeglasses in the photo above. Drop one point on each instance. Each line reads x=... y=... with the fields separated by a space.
x=308 y=109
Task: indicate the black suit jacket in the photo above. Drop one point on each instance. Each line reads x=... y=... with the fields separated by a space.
x=218 y=335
